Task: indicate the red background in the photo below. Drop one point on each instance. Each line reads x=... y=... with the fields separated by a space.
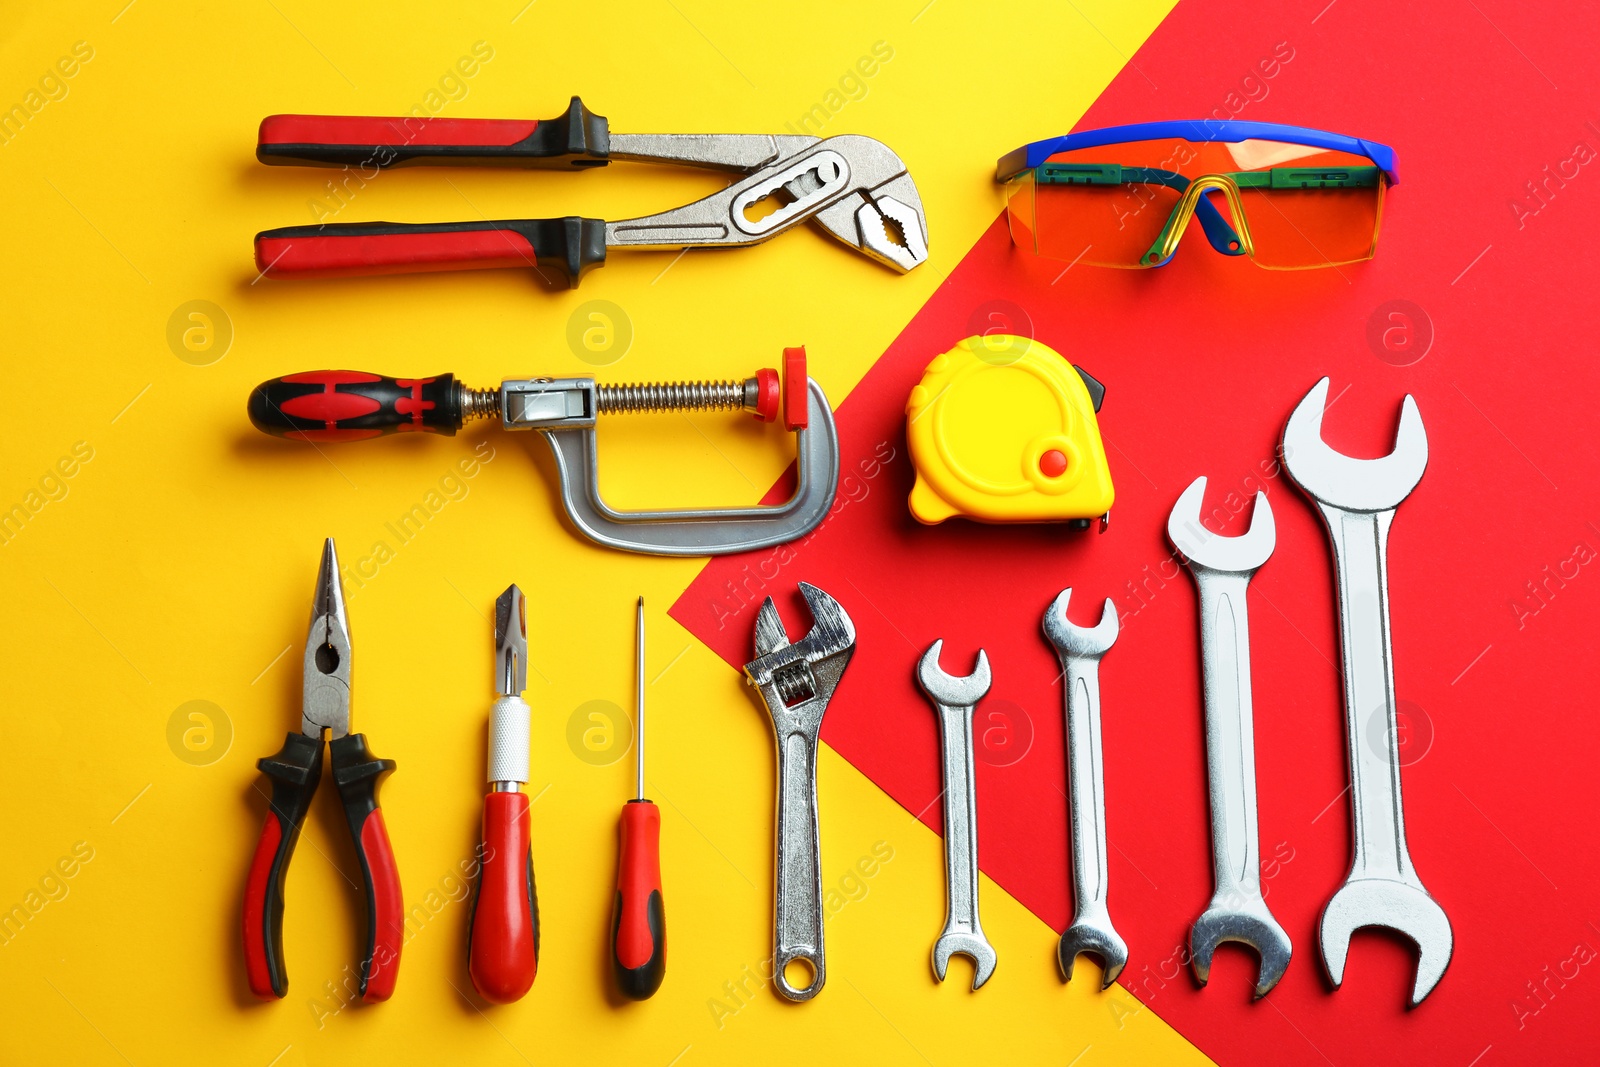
x=1495 y=580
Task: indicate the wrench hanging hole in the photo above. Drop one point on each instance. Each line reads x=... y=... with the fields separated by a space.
x=799 y=973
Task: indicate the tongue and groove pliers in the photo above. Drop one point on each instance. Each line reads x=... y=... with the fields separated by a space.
x=295 y=772
x=852 y=187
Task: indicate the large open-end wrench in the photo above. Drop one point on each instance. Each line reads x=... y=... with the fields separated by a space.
x=796 y=682
x=1222 y=569
x=955 y=699
x=1080 y=650
x=1357 y=499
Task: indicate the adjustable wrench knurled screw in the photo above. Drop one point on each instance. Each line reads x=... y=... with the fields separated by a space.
x=1079 y=650
x=796 y=681
x=955 y=699
x=1222 y=568
x=1357 y=499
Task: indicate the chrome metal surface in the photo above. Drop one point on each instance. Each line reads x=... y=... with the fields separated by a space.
x=325 y=679
x=1357 y=499
x=954 y=700
x=796 y=681
x=511 y=642
x=848 y=185
x=702 y=531
x=1079 y=651
x=1222 y=569
x=638 y=696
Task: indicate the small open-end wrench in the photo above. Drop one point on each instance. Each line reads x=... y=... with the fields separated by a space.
x=1080 y=650
x=796 y=682
x=1357 y=499
x=1222 y=568
x=954 y=699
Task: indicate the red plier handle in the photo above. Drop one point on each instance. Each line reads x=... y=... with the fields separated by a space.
x=578 y=139
x=295 y=772
x=564 y=249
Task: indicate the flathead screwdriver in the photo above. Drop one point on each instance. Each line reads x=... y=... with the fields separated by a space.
x=639 y=925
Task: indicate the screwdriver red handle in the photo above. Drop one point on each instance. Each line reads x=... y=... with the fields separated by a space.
x=503 y=942
x=639 y=926
x=577 y=139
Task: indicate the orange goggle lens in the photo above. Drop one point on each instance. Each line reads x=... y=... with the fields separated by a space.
x=1124 y=205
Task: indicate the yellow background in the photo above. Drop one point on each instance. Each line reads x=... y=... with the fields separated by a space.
x=177 y=563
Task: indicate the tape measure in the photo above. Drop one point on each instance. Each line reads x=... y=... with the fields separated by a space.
x=1003 y=429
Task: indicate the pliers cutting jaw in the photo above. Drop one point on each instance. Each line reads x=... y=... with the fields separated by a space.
x=295 y=771
x=852 y=187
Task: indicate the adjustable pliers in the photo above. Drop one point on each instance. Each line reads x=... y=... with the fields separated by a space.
x=853 y=187
x=295 y=772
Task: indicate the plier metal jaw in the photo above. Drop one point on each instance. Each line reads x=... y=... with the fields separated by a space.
x=295 y=772
x=852 y=187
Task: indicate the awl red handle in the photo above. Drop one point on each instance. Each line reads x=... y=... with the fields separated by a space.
x=579 y=138
x=564 y=249
x=639 y=926
x=503 y=943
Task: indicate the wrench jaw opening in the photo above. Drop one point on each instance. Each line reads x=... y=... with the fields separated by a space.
x=1073 y=641
x=1246 y=921
x=1092 y=935
x=1201 y=548
x=1344 y=483
x=975 y=946
x=1404 y=907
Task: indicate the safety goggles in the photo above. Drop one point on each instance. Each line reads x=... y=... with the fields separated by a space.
x=1287 y=197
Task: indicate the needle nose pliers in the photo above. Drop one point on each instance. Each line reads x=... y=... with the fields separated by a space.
x=294 y=773
x=852 y=187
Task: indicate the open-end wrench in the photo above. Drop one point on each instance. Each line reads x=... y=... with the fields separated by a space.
x=1080 y=650
x=1357 y=499
x=1222 y=568
x=796 y=682
x=955 y=699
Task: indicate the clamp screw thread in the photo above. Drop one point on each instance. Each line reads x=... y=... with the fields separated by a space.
x=479 y=404
x=675 y=396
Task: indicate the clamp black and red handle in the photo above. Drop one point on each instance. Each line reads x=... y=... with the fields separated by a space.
x=577 y=139
x=348 y=405
x=503 y=937
x=639 y=925
x=295 y=771
x=564 y=248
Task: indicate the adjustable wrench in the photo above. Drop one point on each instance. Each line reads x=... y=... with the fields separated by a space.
x=1222 y=568
x=955 y=699
x=796 y=682
x=1079 y=651
x=1357 y=499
